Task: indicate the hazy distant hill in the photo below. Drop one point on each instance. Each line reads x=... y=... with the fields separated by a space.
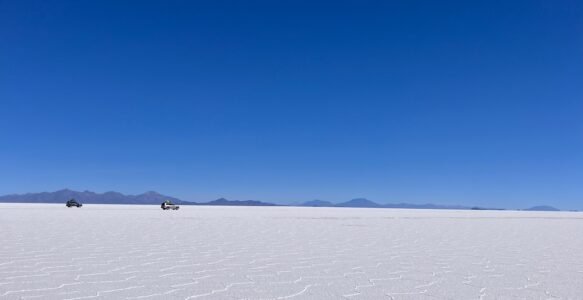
x=425 y=206
x=223 y=201
x=62 y=196
x=362 y=202
x=358 y=202
x=317 y=203
x=543 y=208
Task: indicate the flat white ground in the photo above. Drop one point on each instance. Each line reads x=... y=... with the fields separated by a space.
x=141 y=252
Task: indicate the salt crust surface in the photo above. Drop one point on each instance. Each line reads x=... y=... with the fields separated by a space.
x=49 y=251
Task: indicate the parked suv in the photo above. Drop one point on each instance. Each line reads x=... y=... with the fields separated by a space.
x=166 y=205
x=73 y=202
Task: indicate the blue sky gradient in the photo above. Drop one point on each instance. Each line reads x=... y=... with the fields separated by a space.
x=452 y=102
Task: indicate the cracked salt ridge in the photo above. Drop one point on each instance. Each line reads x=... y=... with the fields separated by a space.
x=140 y=252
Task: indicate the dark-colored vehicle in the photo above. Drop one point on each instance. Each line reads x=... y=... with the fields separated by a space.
x=72 y=203
x=166 y=205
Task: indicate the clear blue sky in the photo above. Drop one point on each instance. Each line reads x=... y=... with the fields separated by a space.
x=467 y=102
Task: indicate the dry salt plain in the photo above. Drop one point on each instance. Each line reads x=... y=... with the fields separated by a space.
x=203 y=252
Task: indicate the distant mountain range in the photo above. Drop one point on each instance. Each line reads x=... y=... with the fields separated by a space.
x=88 y=197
